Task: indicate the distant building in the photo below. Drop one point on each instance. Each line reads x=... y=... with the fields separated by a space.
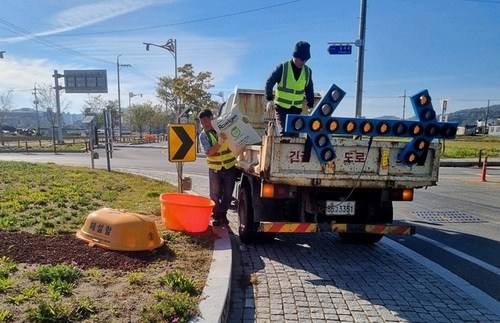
x=494 y=130
x=467 y=130
x=26 y=118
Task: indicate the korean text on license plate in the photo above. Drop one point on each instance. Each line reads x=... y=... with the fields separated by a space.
x=340 y=208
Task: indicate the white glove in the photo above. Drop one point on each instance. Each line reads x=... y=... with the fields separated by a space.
x=270 y=106
x=222 y=138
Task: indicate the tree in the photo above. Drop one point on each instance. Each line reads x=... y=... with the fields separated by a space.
x=159 y=120
x=94 y=104
x=5 y=106
x=47 y=103
x=188 y=90
x=139 y=116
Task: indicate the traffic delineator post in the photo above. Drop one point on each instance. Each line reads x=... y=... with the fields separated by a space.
x=483 y=171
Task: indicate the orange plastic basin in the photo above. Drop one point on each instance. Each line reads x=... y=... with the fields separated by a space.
x=117 y=230
x=185 y=212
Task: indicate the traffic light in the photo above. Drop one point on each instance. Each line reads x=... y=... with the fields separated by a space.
x=320 y=126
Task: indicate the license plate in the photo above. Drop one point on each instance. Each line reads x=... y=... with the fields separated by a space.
x=340 y=208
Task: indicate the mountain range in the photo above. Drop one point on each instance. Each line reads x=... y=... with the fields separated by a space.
x=467 y=116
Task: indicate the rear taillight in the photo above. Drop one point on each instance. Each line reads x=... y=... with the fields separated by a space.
x=401 y=195
x=275 y=190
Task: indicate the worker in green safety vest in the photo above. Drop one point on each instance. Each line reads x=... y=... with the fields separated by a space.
x=221 y=168
x=294 y=82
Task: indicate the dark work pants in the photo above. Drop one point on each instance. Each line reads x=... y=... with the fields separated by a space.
x=280 y=114
x=221 y=189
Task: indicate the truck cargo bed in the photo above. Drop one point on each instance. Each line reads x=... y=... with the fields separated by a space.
x=357 y=164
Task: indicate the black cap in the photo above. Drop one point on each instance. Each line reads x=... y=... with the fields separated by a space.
x=205 y=113
x=302 y=50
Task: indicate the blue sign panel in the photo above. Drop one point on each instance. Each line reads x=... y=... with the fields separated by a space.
x=340 y=49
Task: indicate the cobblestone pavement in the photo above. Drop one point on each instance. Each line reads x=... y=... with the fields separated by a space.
x=317 y=278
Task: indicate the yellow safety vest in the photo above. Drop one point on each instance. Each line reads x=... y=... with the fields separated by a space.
x=223 y=158
x=290 y=92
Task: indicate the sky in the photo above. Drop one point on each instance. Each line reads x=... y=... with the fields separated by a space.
x=449 y=47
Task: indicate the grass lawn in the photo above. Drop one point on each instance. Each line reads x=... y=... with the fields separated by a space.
x=472 y=147
x=50 y=201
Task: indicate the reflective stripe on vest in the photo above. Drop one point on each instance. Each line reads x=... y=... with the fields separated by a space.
x=223 y=158
x=290 y=92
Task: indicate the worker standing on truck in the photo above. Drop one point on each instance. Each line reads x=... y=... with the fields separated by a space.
x=294 y=79
x=221 y=168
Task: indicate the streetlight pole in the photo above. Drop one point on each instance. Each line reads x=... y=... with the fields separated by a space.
x=118 y=65
x=131 y=95
x=171 y=46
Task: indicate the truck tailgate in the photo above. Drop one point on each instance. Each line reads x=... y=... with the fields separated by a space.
x=279 y=161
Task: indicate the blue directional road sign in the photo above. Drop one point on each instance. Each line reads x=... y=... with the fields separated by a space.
x=320 y=125
x=340 y=49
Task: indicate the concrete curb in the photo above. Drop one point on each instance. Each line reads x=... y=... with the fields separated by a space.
x=216 y=295
x=467 y=163
x=215 y=302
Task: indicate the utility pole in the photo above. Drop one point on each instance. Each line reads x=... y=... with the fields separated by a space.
x=36 y=109
x=361 y=58
x=118 y=65
x=345 y=48
x=486 y=118
x=58 y=106
x=443 y=118
x=404 y=103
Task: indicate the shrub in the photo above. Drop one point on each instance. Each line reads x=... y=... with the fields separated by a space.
x=179 y=282
x=179 y=308
x=67 y=273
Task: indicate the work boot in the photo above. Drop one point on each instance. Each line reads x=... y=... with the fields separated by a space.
x=216 y=220
x=223 y=218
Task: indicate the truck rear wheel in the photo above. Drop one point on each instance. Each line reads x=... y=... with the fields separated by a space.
x=246 y=225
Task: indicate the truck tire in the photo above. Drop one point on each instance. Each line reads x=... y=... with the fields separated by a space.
x=246 y=224
x=247 y=227
x=381 y=213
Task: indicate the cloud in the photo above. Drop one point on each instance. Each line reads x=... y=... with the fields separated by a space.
x=88 y=14
x=221 y=56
